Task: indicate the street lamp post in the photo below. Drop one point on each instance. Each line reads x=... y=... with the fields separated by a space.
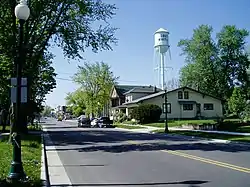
x=22 y=13
x=166 y=111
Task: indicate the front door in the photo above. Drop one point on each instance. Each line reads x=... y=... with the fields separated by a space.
x=198 y=109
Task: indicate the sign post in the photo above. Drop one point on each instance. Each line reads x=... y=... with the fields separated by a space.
x=24 y=90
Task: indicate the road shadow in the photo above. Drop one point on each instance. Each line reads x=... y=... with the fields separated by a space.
x=88 y=138
x=190 y=183
x=106 y=136
x=157 y=146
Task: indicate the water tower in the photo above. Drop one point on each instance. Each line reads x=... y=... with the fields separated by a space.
x=161 y=46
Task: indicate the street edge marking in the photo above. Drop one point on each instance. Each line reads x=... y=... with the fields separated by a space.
x=63 y=173
x=201 y=159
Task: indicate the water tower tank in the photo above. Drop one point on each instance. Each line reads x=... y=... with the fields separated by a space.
x=161 y=40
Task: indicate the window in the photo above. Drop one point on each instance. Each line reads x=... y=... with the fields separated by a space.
x=128 y=98
x=180 y=96
x=208 y=106
x=187 y=106
x=168 y=108
x=186 y=96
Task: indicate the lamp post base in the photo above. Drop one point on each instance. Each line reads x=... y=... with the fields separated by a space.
x=16 y=173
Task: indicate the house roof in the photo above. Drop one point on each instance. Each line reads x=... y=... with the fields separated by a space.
x=163 y=92
x=143 y=89
x=124 y=89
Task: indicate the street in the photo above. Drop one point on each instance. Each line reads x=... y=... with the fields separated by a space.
x=111 y=157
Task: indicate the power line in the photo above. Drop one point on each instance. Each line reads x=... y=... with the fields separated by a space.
x=67 y=73
x=120 y=80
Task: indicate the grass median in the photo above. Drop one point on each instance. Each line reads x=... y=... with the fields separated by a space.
x=31 y=157
x=209 y=135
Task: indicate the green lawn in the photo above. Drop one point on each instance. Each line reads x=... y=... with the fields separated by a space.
x=209 y=135
x=180 y=122
x=31 y=154
x=129 y=126
x=245 y=129
x=176 y=123
x=35 y=127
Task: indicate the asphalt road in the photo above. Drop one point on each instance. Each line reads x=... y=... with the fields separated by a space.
x=109 y=157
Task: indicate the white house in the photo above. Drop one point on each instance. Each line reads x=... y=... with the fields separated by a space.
x=182 y=103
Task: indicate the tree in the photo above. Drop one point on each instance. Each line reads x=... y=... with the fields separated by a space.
x=201 y=55
x=216 y=67
x=237 y=101
x=96 y=81
x=46 y=111
x=64 y=23
x=75 y=101
x=233 y=58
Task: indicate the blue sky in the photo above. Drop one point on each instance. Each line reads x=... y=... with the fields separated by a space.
x=137 y=20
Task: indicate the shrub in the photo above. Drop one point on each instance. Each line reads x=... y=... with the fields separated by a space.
x=228 y=126
x=245 y=115
x=146 y=113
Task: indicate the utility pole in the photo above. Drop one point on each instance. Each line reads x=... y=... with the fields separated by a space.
x=166 y=111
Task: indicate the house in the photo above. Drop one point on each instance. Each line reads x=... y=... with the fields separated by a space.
x=121 y=94
x=182 y=103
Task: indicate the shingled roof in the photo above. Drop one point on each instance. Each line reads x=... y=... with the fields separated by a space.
x=125 y=89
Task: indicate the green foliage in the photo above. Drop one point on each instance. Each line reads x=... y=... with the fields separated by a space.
x=96 y=81
x=228 y=126
x=67 y=24
x=216 y=67
x=46 y=111
x=146 y=113
x=76 y=102
x=237 y=101
x=245 y=115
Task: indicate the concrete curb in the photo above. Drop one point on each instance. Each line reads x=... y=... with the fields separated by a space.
x=44 y=164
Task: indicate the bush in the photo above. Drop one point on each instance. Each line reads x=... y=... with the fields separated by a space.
x=228 y=126
x=146 y=113
x=245 y=115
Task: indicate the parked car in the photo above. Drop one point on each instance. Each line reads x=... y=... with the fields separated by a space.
x=93 y=122
x=104 y=122
x=83 y=121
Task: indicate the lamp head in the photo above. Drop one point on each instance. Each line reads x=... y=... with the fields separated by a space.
x=22 y=11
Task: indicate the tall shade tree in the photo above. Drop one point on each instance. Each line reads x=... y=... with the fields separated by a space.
x=216 y=67
x=201 y=54
x=72 y=25
x=96 y=81
x=233 y=58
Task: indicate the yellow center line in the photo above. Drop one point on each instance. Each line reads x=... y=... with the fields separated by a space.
x=209 y=161
x=201 y=159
